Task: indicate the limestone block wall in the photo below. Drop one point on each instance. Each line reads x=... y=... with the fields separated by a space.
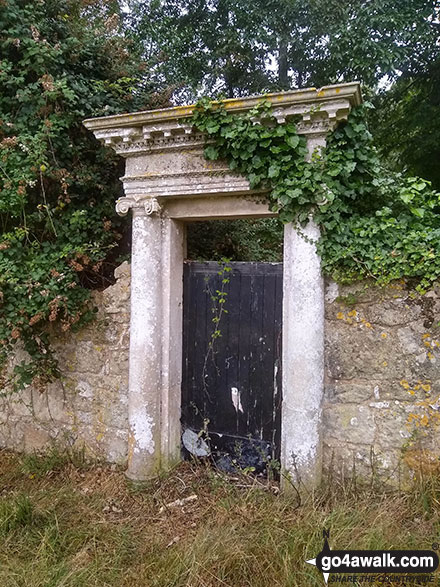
x=381 y=408
x=381 y=413
x=87 y=407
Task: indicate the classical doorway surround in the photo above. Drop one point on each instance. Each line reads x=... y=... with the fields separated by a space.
x=167 y=183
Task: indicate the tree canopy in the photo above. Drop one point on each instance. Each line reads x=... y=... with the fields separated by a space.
x=236 y=47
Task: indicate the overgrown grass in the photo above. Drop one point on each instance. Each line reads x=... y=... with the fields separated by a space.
x=61 y=525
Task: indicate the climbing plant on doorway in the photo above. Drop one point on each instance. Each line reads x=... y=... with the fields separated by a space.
x=218 y=299
x=374 y=222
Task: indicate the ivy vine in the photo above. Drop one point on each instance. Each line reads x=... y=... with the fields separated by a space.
x=218 y=300
x=374 y=223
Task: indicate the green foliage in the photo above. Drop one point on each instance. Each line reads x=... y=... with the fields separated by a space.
x=407 y=123
x=271 y=156
x=348 y=300
x=34 y=464
x=219 y=46
x=241 y=240
x=372 y=41
x=239 y=47
x=218 y=299
x=375 y=223
x=16 y=513
x=60 y=62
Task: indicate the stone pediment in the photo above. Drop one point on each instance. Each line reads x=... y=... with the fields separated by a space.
x=164 y=129
x=164 y=152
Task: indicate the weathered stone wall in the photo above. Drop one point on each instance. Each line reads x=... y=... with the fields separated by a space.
x=87 y=407
x=381 y=409
x=381 y=413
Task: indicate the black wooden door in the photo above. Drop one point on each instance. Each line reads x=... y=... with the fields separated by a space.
x=231 y=385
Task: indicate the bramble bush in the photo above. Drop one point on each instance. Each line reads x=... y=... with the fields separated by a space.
x=60 y=62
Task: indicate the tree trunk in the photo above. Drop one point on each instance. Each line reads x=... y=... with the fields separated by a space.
x=283 y=66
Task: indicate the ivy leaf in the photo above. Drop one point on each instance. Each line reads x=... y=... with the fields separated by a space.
x=211 y=152
x=257 y=162
x=273 y=171
x=254 y=180
x=419 y=212
x=350 y=166
x=292 y=141
x=407 y=197
x=293 y=194
x=334 y=171
x=212 y=127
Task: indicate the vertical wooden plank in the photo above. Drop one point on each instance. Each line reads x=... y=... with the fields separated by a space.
x=212 y=399
x=244 y=357
x=231 y=347
x=255 y=334
x=269 y=353
x=186 y=363
x=204 y=389
x=196 y=326
x=277 y=397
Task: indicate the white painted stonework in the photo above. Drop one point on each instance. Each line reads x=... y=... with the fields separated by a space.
x=168 y=182
x=303 y=353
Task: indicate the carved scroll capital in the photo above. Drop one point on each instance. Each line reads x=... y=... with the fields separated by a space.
x=123 y=205
x=149 y=205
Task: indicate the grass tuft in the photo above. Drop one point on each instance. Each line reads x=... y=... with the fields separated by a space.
x=88 y=527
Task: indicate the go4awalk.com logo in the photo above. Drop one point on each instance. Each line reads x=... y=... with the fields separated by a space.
x=361 y=563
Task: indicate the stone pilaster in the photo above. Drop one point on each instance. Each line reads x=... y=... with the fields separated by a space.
x=303 y=355
x=303 y=342
x=145 y=377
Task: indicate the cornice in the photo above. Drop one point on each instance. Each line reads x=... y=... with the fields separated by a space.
x=170 y=128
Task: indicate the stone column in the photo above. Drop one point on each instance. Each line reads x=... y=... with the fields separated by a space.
x=303 y=356
x=303 y=350
x=145 y=379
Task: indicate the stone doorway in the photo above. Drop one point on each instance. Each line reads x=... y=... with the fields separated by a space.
x=168 y=182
